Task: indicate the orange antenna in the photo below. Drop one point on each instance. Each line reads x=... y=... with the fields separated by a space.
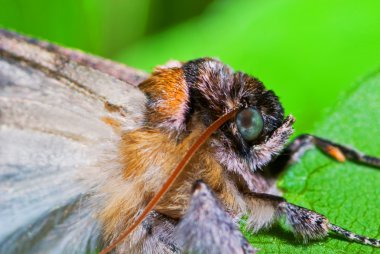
x=181 y=165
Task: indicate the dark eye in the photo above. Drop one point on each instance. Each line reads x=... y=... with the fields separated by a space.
x=249 y=123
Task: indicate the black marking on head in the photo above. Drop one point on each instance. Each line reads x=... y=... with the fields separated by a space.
x=191 y=71
x=215 y=89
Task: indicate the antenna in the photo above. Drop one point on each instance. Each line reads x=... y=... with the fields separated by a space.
x=169 y=182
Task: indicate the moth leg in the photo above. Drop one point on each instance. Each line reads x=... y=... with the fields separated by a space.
x=208 y=228
x=304 y=142
x=265 y=209
x=154 y=235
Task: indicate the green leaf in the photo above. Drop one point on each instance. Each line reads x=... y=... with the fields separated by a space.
x=347 y=193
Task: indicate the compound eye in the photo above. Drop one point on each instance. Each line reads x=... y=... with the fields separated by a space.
x=249 y=123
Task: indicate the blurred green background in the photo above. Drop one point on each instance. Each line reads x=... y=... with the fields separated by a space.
x=309 y=52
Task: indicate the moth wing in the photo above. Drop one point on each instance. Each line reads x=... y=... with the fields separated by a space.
x=117 y=70
x=52 y=111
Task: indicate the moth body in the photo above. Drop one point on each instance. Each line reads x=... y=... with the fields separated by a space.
x=181 y=102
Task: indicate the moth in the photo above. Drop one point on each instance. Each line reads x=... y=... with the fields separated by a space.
x=96 y=156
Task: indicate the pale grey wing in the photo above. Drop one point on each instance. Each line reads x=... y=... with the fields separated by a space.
x=117 y=70
x=51 y=111
x=43 y=206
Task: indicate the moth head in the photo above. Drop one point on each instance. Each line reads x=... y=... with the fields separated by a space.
x=184 y=96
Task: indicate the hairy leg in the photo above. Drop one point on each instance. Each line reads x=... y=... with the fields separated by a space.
x=155 y=235
x=208 y=228
x=305 y=223
x=302 y=143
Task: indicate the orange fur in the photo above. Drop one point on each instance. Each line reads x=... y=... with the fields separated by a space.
x=168 y=93
x=148 y=157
